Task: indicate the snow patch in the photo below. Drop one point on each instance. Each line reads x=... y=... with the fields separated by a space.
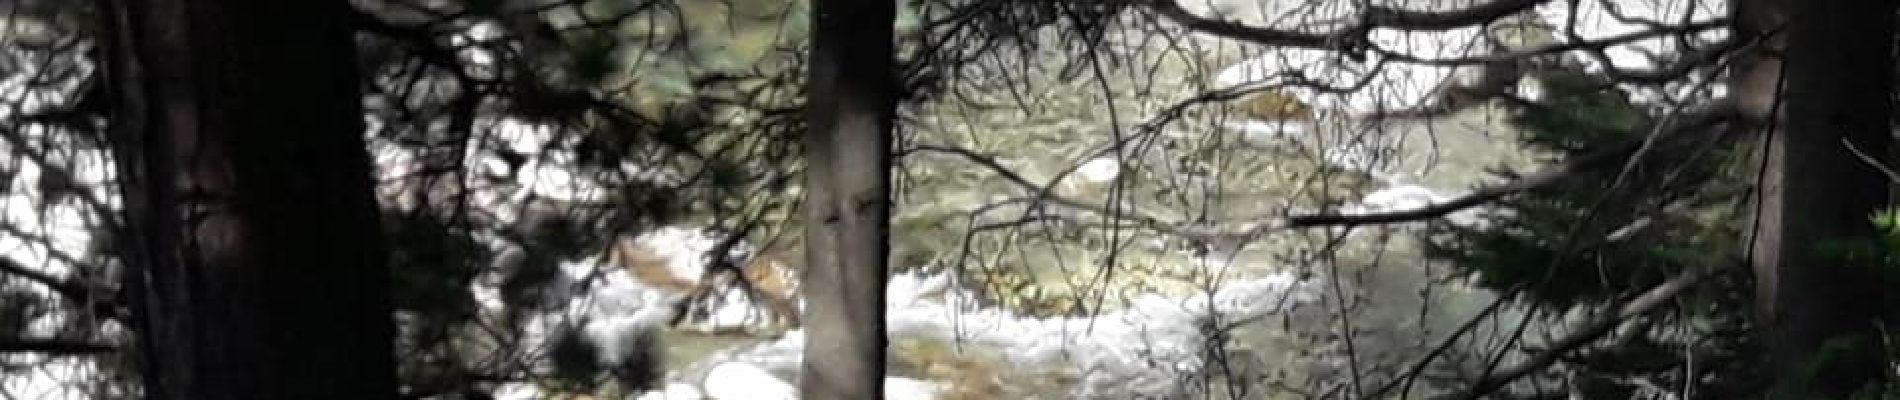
x=1142 y=349
x=1099 y=170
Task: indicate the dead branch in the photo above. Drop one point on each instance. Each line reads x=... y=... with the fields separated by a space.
x=1590 y=332
x=1699 y=123
x=54 y=346
x=1346 y=37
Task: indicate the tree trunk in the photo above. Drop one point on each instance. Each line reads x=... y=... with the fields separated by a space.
x=257 y=271
x=848 y=162
x=1830 y=85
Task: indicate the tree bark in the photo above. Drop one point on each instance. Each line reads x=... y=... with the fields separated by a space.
x=1823 y=80
x=849 y=108
x=256 y=259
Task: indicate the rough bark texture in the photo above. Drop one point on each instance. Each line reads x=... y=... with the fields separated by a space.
x=258 y=271
x=1829 y=85
x=848 y=163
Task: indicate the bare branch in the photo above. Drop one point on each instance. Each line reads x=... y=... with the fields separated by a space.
x=1871 y=161
x=1374 y=17
x=54 y=346
x=1417 y=368
x=1590 y=332
x=1156 y=223
x=1718 y=114
x=1693 y=59
x=1238 y=31
x=1387 y=17
x=70 y=290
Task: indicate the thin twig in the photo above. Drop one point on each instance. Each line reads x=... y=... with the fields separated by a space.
x=1486 y=195
x=1871 y=161
x=1642 y=304
x=54 y=346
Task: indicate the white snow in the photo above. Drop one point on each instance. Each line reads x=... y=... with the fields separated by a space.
x=674 y=391
x=901 y=388
x=1266 y=133
x=1099 y=170
x=1116 y=348
x=744 y=381
x=1401 y=198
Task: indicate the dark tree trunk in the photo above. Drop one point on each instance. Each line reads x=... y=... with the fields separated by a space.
x=252 y=233
x=848 y=163
x=1823 y=81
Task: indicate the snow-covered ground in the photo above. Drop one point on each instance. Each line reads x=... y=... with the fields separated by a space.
x=1117 y=349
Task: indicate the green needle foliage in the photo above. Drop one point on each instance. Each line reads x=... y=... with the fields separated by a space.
x=1590 y=238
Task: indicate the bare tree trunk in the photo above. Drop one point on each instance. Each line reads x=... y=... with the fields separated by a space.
x=848 y=163
x=257 y=271
x=1819 y=83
